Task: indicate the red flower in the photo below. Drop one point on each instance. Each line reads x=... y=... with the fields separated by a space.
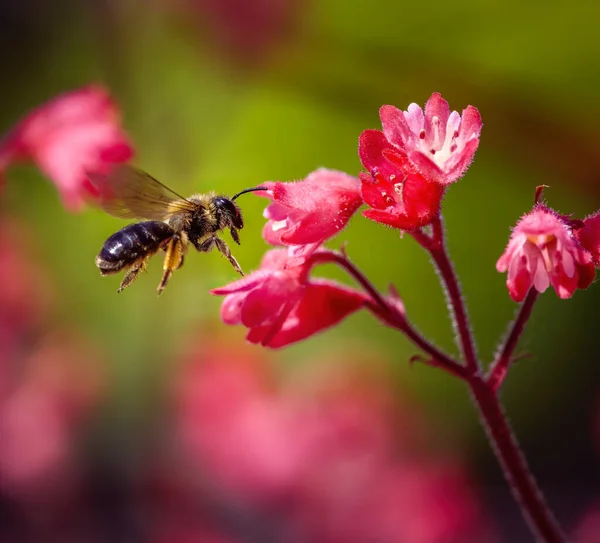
x=280 y=305
x=543 y=251
x=311 y=211
x=589 y=236
x=399 y=195
x=75 y=132
x=440 y=144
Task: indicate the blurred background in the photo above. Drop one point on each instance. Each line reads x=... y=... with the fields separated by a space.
x=137 y=418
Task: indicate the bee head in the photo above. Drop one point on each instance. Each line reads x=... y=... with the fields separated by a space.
x=229 y=214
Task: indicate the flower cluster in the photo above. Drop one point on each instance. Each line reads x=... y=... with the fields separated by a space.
x=279 y=303
x=409 y=166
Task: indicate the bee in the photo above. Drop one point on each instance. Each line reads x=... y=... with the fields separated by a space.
x=174 y=223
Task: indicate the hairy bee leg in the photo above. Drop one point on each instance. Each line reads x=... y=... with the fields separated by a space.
x=235 y=235
x=226 y=252
x=163 y=282
x=132 y=274
x=175 y=252
x=208 y=245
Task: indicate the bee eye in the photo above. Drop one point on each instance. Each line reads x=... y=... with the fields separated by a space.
x=226 y=206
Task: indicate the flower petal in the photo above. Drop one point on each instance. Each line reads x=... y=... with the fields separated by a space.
x=264 y=303
x=470 y=124
x=395 y=127
x=371 y=143
x=437 y=112
x=323 y=304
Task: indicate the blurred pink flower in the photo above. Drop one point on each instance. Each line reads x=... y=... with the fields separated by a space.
x=543 y=251
x=280 y=305
x=73 y=133
x=310 y=211
x=319 y=455
x=247 y=31
x=25 y=293
x=441 y=144
x=40 y=409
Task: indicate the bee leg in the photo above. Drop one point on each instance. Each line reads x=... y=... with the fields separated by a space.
x=235 y=235
x=226 y=252
x=175 y=251
x=132 y=274
x=163 y=282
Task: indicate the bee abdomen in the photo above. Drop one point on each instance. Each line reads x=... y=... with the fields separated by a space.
x=130 y=244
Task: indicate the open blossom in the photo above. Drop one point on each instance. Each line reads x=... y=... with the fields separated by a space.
x=397 y=193
x=280 y=305
x=441 y=144
x=308 y=212
x=544 y=251
x=75 y=132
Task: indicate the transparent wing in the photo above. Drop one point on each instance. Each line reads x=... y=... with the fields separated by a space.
x=128 y=192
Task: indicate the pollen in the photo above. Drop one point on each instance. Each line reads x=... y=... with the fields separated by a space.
x=541 y=240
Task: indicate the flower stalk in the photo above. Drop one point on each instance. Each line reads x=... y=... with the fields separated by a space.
x=513 y=463
x=499 y=368
x=484 y=394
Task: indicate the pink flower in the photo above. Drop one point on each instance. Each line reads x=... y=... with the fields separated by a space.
x=75 y=132
x=26 y=294
x=247 y=435
x=589 y=236
x=543 y=251
x=321 y=451
x=311 y=211
x=399 y=195
x=42 y=409
x=280 y=305
x=439 y=143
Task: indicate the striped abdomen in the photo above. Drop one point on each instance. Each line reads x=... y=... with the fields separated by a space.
x=131 y=244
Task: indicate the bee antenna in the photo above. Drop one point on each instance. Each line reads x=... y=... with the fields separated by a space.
x=253 y=189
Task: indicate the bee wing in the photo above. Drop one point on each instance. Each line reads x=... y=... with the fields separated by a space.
x=128 y=192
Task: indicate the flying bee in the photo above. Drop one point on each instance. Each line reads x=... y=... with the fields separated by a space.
x=174 y=223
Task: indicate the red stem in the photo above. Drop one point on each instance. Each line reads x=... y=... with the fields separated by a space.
x=504 y=443
x=390 y=313
x=499 y=368
x=437 y=249
x=514 y=466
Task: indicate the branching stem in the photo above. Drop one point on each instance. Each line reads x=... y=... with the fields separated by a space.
x=483 y=389
x=499 y=368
